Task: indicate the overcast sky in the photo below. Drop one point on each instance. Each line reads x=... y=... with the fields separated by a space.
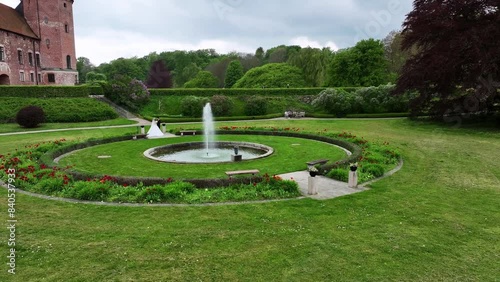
x=107 y=30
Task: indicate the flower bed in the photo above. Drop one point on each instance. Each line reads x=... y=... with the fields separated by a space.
x=37 y=177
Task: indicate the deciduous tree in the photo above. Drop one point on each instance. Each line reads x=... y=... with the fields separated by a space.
x=456 y=70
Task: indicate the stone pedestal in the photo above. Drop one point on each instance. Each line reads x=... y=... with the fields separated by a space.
x=353 y=179
x=163 y=127
x=236 y=158
x=311 y=187
x=143 y=130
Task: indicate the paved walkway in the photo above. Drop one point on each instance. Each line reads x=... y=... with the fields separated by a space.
x=327 y=188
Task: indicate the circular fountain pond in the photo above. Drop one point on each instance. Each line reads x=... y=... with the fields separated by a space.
x=217 y=152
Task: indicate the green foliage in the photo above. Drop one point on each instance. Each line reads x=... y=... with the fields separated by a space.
x=84 y=66
x=380 y=100
x=131 y=93
x=30 y=116
x=94 y=77
x=272 y=76
x=241 y=92
x=89 y=190
x=204 y=79
x=334 y=102
x=49 y=185
x=313 y=63
x=340 y=174
x=59 y=109
x=373 y=169
x=256 y=106
x=133 y=68
x=45 y=91
x=221 y=105
x=233 y=74
x=192 y=106
x=361 y=65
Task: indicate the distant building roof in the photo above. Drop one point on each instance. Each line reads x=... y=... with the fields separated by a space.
x=11 y=20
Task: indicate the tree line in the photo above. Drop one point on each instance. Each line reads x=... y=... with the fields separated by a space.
x=370 y=62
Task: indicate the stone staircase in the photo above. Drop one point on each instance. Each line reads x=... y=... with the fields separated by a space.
x=121 y=111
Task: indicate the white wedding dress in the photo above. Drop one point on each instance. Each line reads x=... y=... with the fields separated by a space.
x=154 y=131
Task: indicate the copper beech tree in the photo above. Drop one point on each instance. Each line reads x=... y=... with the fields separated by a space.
x=456 y=69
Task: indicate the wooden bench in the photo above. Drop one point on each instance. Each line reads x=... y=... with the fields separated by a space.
x=236 y=172
x=188 y=132
x=140 y=136
x=321 y=162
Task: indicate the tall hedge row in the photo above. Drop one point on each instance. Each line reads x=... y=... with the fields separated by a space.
x=58 y=109
x=240 y=92
x=43 y=91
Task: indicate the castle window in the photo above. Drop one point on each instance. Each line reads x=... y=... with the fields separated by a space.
x=21 y=76
x=51 y=77
x=68 y=62
x=37 y=59
x=20 y=57
x=32 y=77
x=64 y=5
x=30 y=58
x=40 y=77
x=2 y=52
x=66 y=28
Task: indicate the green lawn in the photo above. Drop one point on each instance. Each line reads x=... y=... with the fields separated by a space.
x=290 y=154
x=435 y=220
x=14 y=127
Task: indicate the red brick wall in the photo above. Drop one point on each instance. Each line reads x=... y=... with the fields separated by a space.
x=10 y=66
x=48 y=19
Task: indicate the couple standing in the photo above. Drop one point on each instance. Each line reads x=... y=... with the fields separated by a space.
x=155 y=130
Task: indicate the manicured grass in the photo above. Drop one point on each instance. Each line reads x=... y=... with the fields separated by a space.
x=290 y=154
x=435 y=220
x=12 y=142
x=14 y=127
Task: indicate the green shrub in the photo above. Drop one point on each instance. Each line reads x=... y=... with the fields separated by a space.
x=341 y=174
x=374 y=169
x=131 y=93
x=152 y=194
x=45 y=91
x=92 y=77
x=59 y=109
x=256 y=106
x=221 y=105
x=184 y=187
x=334 y=101
x=49 y=185
x=30 y=116
x=203 y=79
x=192 y=106
x=89 y=191
x=272 y=76
x=123 y=194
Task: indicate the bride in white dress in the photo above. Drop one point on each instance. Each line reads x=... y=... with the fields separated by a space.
x=154 y=131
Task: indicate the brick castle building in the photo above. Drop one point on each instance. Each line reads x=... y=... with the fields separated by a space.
x=37 y=43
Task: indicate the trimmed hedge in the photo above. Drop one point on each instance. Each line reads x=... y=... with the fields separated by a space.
x=49 y=91
x=58 y=109
x=239 y=92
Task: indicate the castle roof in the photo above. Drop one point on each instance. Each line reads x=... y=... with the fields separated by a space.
x=11 y=20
